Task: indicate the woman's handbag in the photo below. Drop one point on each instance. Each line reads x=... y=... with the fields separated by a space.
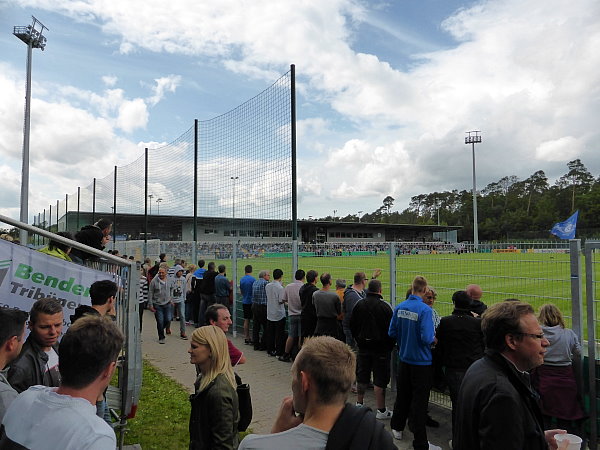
x=244 y=402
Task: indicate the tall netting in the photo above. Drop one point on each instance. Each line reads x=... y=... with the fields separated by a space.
x=105 y=194
x=243 y=181
x=130 y=187
x=245 y=166
x=171 y=178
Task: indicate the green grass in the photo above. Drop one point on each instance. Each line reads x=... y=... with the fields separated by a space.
x=537 y=278
x=163 y=413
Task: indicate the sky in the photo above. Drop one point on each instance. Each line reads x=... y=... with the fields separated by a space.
x=385 y=89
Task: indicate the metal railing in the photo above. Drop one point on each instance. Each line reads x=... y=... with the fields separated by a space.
x=122 y=398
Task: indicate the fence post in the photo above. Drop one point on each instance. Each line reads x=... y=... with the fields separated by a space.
x=576 y=288
x=392 y=251
x=591 y=335
x=294 y=256
x=235 y=283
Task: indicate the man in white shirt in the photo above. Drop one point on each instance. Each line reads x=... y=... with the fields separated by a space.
x=317 y=412
x=275 y=315
x=65 y=417
x=291 y=296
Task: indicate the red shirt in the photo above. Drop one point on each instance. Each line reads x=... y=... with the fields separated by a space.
x=234 y=354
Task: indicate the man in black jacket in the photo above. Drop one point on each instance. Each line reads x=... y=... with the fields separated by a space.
x=103 y=295
x=497 y=408
x=38 y=360
x=369 y=326
x=95 y=236
x=309 y=313
x=322 y=375
x=460 y=344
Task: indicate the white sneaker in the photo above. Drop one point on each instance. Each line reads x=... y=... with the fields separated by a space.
x=161 y=341
x=360 y=405
x=434 y=447
x=397 y=434
x=450 y=444
x=387 y=414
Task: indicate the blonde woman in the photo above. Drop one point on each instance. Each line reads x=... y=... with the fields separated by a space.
x=555 y=379
x=215 y=410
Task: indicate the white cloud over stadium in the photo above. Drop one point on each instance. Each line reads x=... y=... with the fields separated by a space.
x=524 y=72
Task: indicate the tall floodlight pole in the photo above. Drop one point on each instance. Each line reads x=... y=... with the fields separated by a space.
x=32 y=36
x=150 y=197
x=158 y=200
x=233 y=206
x=359 y=213
x=473 y=138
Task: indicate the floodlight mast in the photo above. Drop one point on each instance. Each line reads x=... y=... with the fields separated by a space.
x=32 y=35
x=473 y=137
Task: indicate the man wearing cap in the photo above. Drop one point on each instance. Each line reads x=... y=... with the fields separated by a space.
x=460 y=344
x=177 y=287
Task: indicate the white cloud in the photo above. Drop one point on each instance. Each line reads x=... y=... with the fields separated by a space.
x=109 y=80
x=564 y=148
x=132 y=114
x=163 y=85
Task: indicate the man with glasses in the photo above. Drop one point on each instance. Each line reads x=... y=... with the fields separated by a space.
x=497 y=408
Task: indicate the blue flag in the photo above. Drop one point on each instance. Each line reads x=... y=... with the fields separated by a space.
x=566 y=229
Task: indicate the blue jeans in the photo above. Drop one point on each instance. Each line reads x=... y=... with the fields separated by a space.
x=163 y=316
x=179 y=309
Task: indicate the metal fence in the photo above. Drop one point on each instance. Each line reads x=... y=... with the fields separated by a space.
x=123 y=397
x=536 y=272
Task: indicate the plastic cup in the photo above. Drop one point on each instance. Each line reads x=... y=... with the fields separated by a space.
x=573 y=440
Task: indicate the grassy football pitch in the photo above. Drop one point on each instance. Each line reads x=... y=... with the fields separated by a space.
x=534 y=277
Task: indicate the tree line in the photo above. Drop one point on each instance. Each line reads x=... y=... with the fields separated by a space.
x=509 y=208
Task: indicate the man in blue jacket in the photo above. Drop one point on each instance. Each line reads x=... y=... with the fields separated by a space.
x=412 y=327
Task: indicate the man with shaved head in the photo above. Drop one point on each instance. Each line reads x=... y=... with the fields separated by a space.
x=477 y=306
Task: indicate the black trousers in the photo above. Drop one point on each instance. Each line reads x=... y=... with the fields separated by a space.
x=259 y=315
x=454 y=379
x=276 y=336
x=413 y=386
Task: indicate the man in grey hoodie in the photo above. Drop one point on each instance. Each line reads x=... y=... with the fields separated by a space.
x=159 y=302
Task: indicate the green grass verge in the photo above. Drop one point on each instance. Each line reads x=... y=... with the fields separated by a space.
x=163 y=413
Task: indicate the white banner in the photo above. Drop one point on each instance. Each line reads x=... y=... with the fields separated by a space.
x=27 y=275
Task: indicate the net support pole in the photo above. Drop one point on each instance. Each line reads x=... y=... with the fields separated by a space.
x=57 y=207
x=78 y=205
x=114 y=210
x=66 y=212
x=50 y=218
x=235 y=282
x=145 y=202
x=294 y=176
x=94 y=202
x=195 y=221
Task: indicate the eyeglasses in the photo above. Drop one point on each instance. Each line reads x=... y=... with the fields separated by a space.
x=536 y=336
